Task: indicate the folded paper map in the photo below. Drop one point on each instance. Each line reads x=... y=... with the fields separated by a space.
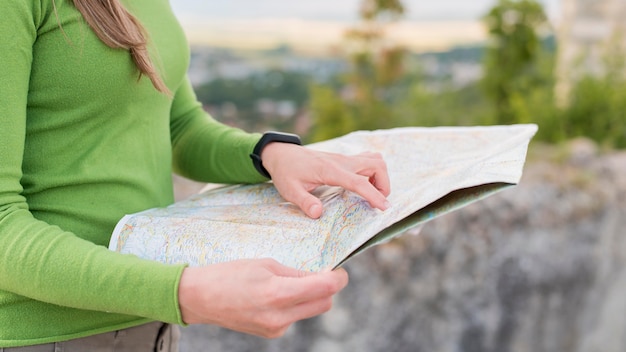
x=432 y=171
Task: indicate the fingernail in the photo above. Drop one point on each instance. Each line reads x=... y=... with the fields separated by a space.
x=315 y=209
x=386 y=205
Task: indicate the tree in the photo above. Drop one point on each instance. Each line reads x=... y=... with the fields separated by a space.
x=512 y=59
x=597 y=109
x=364 y=101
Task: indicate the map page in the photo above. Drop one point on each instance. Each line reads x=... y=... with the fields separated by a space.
x=432 y=171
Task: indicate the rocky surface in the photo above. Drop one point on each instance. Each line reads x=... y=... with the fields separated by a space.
x=537 y=268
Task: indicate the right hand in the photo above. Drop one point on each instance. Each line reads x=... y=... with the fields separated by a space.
x=297 y=170
x=255 y=296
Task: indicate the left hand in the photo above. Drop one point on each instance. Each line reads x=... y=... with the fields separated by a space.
x=255 y=296
x=297 y=170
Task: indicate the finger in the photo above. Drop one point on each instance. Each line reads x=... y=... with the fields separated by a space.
x=374 y=167
x=279 y=269
x=276 y=324
x=380 y=181
x=368 y=164
x=362 y=186
x=312 y=287
x=307 y=202
x=282 y=270
x=309 y=309
x=371 y=155
x=316 y=306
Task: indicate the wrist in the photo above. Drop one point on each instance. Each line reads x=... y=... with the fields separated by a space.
x=267 y=139
x=270 y=153
x=186 y=296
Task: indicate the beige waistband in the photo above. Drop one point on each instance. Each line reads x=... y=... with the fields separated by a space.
x=152 y=337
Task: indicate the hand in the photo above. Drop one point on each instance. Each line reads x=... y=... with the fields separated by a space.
x=296 y=171
x=258 y=296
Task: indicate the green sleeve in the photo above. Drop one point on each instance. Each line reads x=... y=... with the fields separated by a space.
x=206 y=150
x=44 y=262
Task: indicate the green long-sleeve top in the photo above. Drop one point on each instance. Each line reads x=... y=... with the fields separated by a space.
x=83 y=141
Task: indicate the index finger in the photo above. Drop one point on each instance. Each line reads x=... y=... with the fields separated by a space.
x=373 y=168
x=363 y=186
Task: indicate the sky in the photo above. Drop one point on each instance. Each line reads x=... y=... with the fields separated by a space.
x=334 y=10
x=317 y=24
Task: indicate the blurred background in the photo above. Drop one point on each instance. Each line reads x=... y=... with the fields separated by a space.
x=536 y=268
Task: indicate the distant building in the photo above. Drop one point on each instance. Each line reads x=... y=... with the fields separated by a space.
x=590 y=32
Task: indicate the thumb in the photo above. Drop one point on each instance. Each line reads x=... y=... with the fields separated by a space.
x=279 y=269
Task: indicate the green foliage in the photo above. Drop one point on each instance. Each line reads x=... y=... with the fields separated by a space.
x=365 y=100
x=511 y=60
x=442 y=106
x=273 y=84
x=371 y=10
x=597 y=104
x=519 y=81
x=597 y=110
x=236 y=100
x=333 y=118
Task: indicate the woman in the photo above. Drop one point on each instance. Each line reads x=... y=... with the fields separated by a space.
x=95 y=110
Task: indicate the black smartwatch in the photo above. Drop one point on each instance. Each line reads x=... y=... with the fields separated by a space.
x=267 y=138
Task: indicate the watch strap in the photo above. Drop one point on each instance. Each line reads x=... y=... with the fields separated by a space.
x=267 y=138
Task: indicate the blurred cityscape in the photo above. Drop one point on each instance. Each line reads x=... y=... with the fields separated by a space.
x=260 y=89
x=559 y=59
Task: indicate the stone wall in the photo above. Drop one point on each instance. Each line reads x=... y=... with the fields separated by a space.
x=537 y=268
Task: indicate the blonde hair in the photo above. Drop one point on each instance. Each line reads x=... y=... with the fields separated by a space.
x=117 y=28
